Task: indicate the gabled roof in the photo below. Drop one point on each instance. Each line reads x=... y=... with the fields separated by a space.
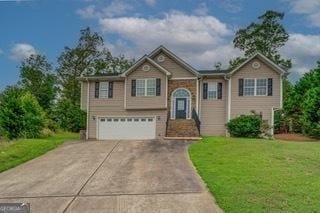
x=176 y=58
x=276 y=67
x=141 y=61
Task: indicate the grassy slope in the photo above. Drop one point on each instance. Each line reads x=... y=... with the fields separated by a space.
x=252 y=175
x=16 y=152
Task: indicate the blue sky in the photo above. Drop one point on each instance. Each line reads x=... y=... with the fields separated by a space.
x=200 y=32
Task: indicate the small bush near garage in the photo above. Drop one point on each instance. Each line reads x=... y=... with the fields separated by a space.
x=248 y=126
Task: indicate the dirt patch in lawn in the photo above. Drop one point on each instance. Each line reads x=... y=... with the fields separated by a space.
x=293 y=137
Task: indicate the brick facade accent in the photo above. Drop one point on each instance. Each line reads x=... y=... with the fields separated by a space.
x=190 y=84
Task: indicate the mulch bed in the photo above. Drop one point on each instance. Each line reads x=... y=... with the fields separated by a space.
x=293 y=137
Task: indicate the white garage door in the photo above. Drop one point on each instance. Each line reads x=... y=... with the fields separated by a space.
x=127 y=128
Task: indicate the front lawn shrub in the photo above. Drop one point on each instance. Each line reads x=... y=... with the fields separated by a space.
x=248 y=126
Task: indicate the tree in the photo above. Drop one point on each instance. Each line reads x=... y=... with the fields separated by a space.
x=33 y=116
x=88 y=57
x=36 y=77
x=69 y=116
x=20 y=114
x=266 y=36
x=11 y=113
x=311 y=112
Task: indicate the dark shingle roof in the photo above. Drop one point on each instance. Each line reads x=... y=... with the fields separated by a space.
x=103 y=74
x=222 y=71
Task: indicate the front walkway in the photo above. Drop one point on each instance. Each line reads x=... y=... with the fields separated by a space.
x=109 y=176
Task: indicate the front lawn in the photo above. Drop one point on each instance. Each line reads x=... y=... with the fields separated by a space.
x=16 y=152
x=255 y=175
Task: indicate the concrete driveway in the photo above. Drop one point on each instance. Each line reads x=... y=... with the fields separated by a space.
x=109 y=176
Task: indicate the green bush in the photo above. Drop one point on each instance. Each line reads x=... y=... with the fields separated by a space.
x=11 y=113
x=20 y=114
x=311 y=115
x=33 y=118
x=245 y=126
x=69 y=117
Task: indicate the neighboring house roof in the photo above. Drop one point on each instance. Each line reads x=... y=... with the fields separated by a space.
x=176 y=58
x=276 y=67
x=141 y=61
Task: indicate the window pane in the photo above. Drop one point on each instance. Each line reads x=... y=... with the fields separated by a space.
x=248 y=87
x=151 y=87
x=140 y=87
x=261 y=87
x=212 y=90
x=103 y=89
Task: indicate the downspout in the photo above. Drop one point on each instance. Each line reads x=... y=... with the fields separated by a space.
x=229 y=101
x=88 y=105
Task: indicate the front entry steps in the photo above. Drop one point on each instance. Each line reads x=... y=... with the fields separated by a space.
x=182 y=128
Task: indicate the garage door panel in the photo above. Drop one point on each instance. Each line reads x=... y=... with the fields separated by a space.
x=127 y=128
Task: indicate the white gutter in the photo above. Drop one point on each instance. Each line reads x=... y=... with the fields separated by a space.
x=88 y=105
x=281 y=90
x=229 y=99
x=197 y=100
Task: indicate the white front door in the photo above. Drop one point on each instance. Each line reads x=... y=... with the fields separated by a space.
x=126 y=128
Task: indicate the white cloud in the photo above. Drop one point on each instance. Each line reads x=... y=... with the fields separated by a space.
x=304 y=50
x=115 y=8
x=21 y=51
x=87 y=12
x=151 y=2
x=201 y=40
x=310 y=8
x=231 y=6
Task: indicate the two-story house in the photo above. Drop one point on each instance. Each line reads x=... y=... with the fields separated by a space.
x=163 y=96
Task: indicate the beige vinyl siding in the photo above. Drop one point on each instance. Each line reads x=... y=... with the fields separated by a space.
x=213 y=111
x=260 y=104
x=176 y=70
x=146 y=102
x=83 y=101
x=115 y=107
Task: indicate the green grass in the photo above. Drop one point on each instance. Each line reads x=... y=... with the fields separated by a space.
x=16 y=152
x=255 y=175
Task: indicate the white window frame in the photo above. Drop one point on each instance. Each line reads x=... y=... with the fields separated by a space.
x=146 y=87
x=214 y=88
x=106 y=89
x=255 y=86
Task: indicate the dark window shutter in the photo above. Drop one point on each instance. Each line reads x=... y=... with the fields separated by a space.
x=205 y=91
x=133 y=88
x=96 y=92
x=110 y=90
x=269 y=86
x=219 y=90
x=158 y=87
x=240 y=87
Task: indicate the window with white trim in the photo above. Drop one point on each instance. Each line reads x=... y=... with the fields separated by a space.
x=212 y=90
x=103 y=89
x=262 y=87
x=255 y=87
x=146 y=87
x=249 y=87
